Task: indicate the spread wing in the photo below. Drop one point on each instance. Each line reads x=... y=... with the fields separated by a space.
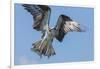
x=64 y=25
x=40 y=15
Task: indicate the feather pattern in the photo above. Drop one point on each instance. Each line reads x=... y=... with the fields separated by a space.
x=40 y=15
x=64 y=25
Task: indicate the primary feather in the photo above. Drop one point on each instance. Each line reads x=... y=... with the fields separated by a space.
x=40 y=15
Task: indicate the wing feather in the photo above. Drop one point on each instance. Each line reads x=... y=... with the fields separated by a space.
x=64 y=25
x=39 y=13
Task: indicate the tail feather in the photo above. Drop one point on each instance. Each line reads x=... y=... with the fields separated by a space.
x=41 y=48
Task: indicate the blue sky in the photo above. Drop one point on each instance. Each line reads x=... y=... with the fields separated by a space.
x=75 y=46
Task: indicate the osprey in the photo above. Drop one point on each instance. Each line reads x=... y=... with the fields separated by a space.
x=41 y=16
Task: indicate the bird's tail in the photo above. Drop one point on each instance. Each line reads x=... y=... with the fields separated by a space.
x=42 y=48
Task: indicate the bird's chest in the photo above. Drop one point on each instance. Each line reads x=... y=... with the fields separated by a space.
x=49 y=35
x=53 y=32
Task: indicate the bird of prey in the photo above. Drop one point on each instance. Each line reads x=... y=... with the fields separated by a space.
x=41 y=17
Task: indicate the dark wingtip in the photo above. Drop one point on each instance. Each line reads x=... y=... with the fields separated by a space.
x=45 y=7
x=60 y=39
x=66 y=18
x=24 y=5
